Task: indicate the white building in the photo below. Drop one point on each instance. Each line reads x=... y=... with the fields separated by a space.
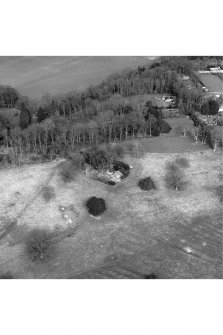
x=215 y=69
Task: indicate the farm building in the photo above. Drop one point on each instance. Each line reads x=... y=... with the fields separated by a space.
x=168 y=98
x=215 y=69
x=220 y=111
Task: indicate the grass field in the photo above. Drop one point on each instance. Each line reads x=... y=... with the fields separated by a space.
x=139 y=233
x=211 y=81
x=172 y=142
x=34 y=76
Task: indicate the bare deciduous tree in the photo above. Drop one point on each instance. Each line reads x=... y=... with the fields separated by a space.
x=174 y=177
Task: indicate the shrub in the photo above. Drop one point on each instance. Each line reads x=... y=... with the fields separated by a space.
x=111 y=182
x=129 y=146
x=151 y=276
x=96 y=206
x=48 y=193
x=182 y=162
x=77 y=161
x=66 y=171
x=39 y=246
x=147 y=184
x=174 y=177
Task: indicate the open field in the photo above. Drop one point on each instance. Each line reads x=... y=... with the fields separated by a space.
x=140 y=232
x=211 y=81
x=34 y=76
x=172 y=142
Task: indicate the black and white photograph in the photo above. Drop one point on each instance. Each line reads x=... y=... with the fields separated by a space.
x=111 y=167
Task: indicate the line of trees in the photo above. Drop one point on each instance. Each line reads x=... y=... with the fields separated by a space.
x=59 y=135
x=202 y=133
x=103 y=113
x=8 y=96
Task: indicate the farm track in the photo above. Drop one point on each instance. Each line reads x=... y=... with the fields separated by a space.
x=117 y=267
x=114 y=269
x=12 y=222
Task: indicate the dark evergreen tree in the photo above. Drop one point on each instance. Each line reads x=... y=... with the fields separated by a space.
x=24 y=117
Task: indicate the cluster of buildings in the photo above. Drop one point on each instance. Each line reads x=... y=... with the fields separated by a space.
x=166 y=99
x=212 y=69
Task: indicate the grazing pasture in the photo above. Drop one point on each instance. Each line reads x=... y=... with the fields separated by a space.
x=174 y=234
x=211 y=81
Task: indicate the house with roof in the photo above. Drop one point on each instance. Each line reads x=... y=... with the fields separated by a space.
x=220 y=111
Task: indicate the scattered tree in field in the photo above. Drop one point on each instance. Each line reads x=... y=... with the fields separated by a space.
x=96 y=206
x=182 y=162
x=67 y=172
x=39 y=245
x=48 y=193
x=147 y=184
x=77 y=161
x=174 y=178
x=195 y=133
x=138 y=150
x=134 y=149
x=216 y=138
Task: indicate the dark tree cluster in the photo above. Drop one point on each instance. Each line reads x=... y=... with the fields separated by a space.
x=96 y=206
x=8 y=96
x=39 y=245
x=147 y=184
x=210 y=107
x=103 y=158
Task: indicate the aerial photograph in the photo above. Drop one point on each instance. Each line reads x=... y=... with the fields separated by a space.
x=111 y=167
